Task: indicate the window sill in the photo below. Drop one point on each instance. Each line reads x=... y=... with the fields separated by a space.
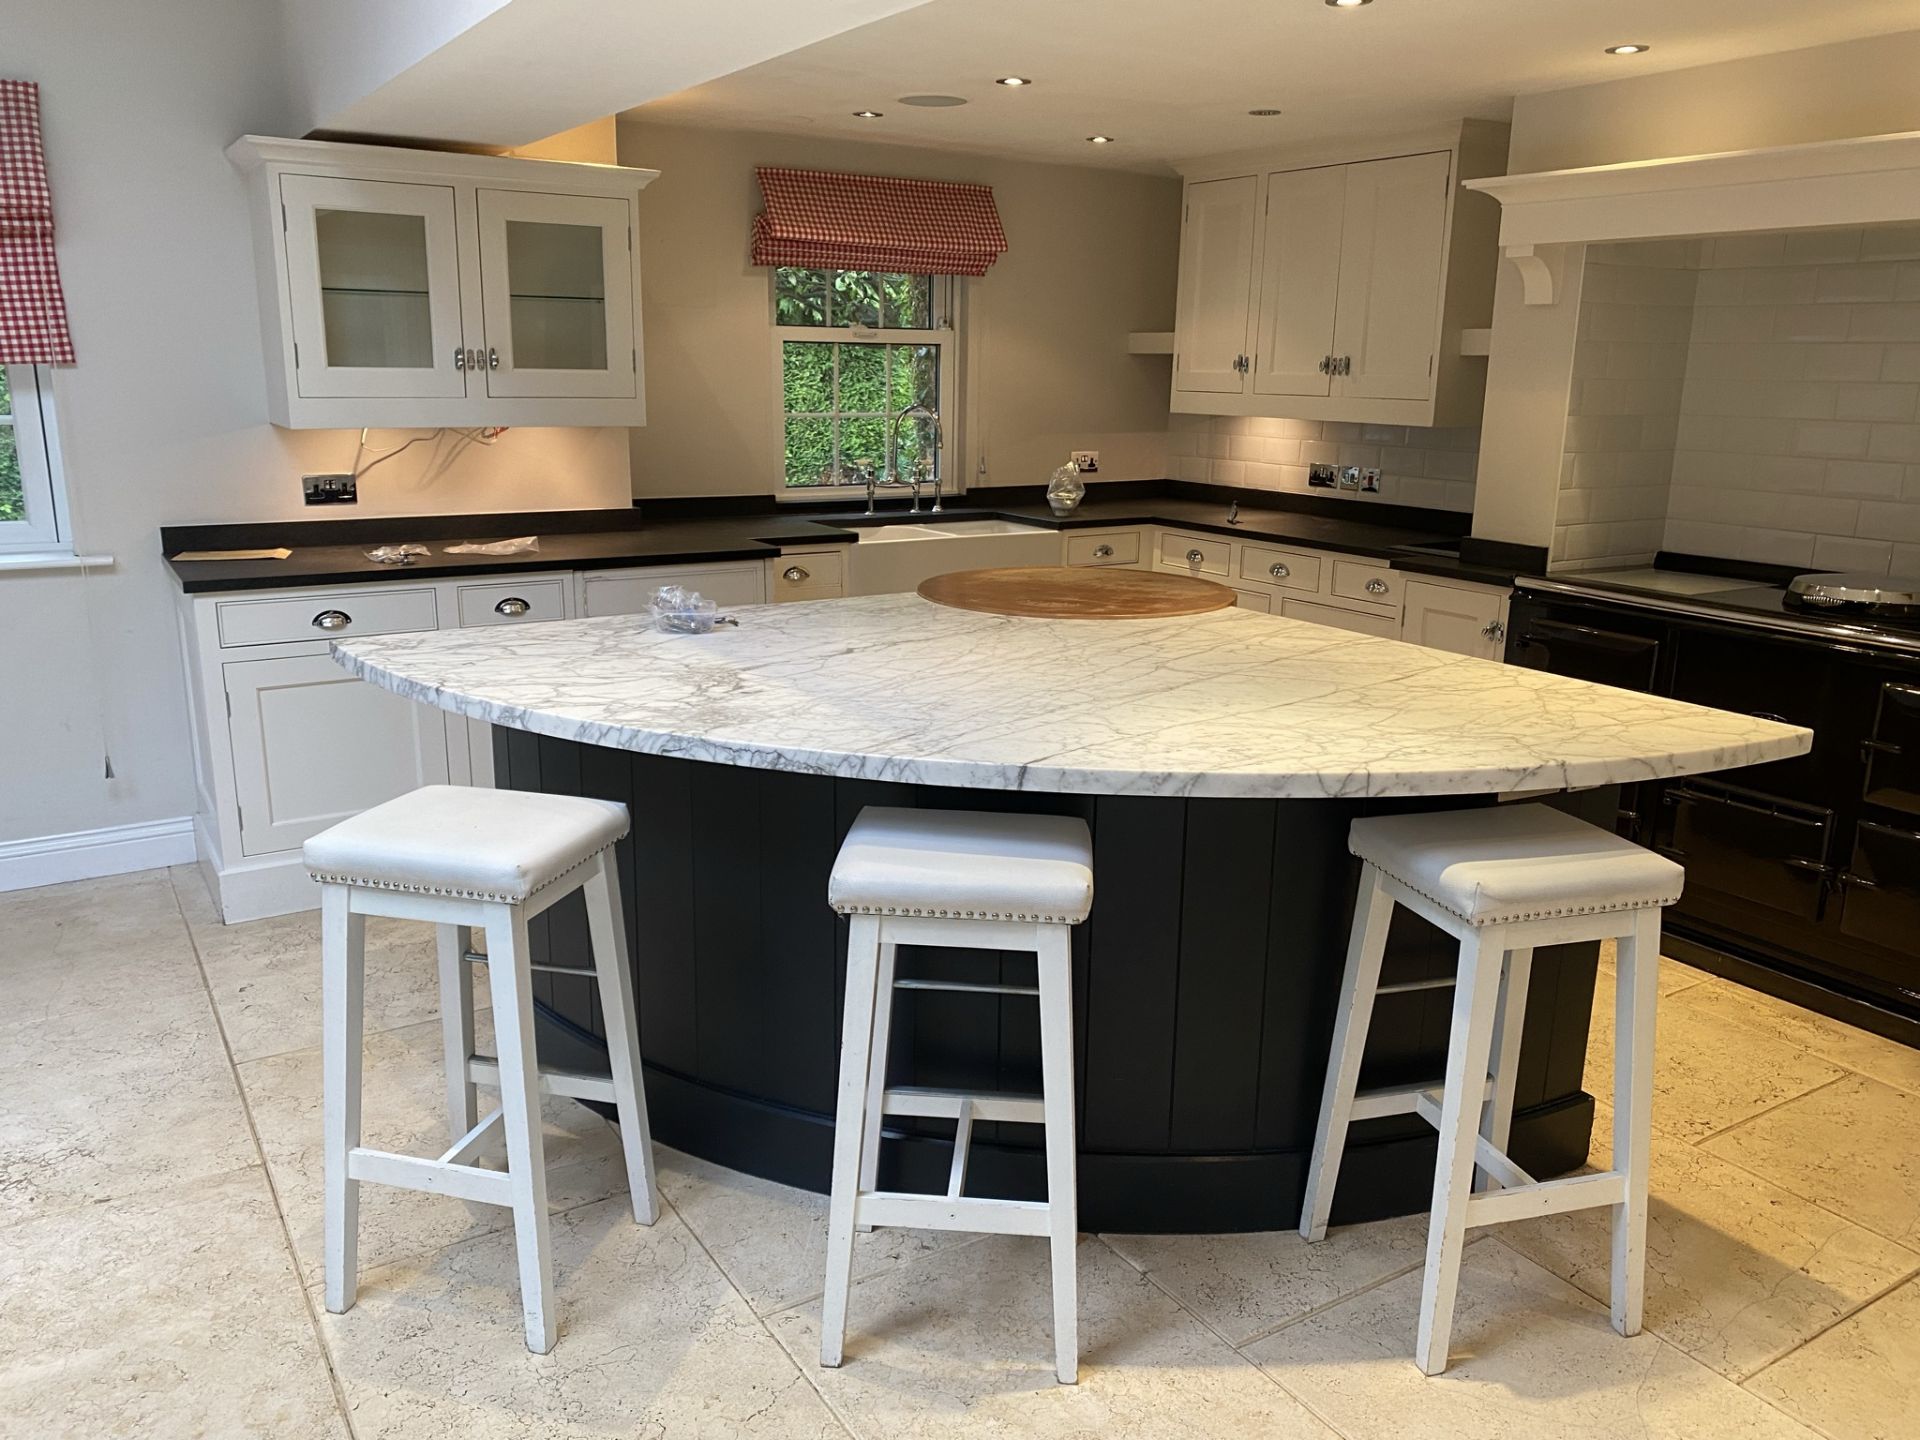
x=44 y=560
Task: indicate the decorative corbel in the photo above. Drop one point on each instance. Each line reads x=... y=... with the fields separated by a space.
x=1536 y=280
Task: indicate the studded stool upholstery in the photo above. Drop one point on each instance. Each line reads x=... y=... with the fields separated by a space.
x=1501 y=880
x=491 y=860
x=972 y=881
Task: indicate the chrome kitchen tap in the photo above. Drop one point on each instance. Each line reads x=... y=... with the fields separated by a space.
x=931 y=464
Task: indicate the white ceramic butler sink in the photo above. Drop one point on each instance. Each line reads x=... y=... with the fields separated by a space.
x=891 y=558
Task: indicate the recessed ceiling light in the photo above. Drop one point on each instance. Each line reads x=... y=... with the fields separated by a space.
x=1013 y=80
x=933 y=102
x=1628 y=49
x=1099 y=139
x=1348 y=4
x=867 y=114
x=1263 y=112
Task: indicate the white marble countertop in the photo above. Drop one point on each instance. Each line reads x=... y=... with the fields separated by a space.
x=893 y=687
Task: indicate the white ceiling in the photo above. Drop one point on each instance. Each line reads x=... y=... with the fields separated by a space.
x=1173 y=79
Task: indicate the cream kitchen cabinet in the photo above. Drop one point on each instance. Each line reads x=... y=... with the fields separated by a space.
x=630 y=591
x=1454 y=615
x=1323 y=286
x=409 y=288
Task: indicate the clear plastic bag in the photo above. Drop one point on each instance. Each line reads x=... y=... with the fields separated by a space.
x=395 y=554
x=524 y=545
x=686 y=612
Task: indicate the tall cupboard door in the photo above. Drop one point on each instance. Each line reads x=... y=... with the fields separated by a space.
x=373 y=277
x=1299 y=281
x=312 y=746
x=1216 y=286
x=1393 y=245
x=556 y=282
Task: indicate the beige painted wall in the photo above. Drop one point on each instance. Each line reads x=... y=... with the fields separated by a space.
x=164 y=416
x=1093 y=255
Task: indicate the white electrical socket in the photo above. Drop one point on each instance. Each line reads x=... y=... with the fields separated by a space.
x=1087 y=461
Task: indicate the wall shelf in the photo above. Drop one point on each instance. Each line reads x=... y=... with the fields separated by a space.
x=1477 y=340
x=1150 y=342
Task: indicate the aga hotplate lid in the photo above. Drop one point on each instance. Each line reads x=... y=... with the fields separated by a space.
x=1859 y=591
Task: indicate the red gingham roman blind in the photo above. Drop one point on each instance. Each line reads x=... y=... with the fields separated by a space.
x=829 y=221
x=33 y=312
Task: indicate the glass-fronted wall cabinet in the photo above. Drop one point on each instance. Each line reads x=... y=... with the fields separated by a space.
x=415 y=288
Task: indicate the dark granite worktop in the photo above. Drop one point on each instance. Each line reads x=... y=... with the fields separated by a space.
x=683 y=531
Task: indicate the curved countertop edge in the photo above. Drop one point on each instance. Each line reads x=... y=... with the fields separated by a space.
x=1369 y=783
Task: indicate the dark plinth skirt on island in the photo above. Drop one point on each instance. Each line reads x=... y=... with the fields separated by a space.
x=1204 y=990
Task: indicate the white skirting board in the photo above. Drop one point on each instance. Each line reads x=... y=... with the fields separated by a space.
x=89 y=854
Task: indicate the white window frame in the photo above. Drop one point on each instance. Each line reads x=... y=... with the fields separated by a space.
x=944 y=335
x=45 y=528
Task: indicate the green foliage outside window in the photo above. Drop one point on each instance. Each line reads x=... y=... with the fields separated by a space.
x=13 y=500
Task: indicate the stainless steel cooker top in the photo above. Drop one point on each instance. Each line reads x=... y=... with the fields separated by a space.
x=1856 y=592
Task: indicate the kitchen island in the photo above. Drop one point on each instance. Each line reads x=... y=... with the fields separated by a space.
x=1218 y=759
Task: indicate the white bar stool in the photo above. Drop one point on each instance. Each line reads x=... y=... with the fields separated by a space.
x=1501 y=880
x=969 y=880
x=490 y=860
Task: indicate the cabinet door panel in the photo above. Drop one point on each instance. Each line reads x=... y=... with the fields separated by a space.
x=1882 y=889
x=1746 y=845
x=1892 y=752
x=1387 y=627
x=1393 y=240
x=556 y=283
x=312 y=746
x=373 y=282
x=1299 y=280
x=1216 y=285
x=1447 y=617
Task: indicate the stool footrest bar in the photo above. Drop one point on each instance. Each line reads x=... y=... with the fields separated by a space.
x=1500 y=1166
x=1403 y=987
x=573 y=1084
x=411 y=1172
x=1399 y=1099
x=946 y=1212
x=468 y=1145
x=947 y=1105
x=1547 y=1197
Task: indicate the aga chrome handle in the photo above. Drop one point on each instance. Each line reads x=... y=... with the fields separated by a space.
x=1278 y=571
x=512 y=605
x=1103 y=552
x=1345 y=365
x=460 y=358
x=1194 y=557
x=1376 y=587
x=1326 y=364
x=794 y=573
x=1494 y=630
x=332 y=620
x=493 y=358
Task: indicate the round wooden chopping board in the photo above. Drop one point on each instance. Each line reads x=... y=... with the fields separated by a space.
x=1065 y=592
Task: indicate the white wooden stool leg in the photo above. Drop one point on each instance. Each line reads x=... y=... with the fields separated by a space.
x=456 y=1026
x=608 y=929
x=1055 y=949
x=1496 y=1116
x=507 y=964
x=1636 y=988
x=856 y=1043
x=1469 y=1045
x=342 y=1003
x=1366 y=948
x=877 y=1077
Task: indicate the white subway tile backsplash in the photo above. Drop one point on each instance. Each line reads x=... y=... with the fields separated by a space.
x=1890 y=242
x=1866 y=479
x=1726 y=251
x=1844 y=362
x=1880 y=401
x=1823 y=247
x=1887 y=520
x=1840 y=552
x=1900 y=362
x=1885 y=322
x=1423 y=467
x=1862 y=282
x=1826 y=437
x=1895 y=442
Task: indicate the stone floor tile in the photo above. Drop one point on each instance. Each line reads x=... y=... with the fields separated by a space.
x=771 y=1239
x=960 y=1343
x=1532 y=1357
x=653 y=1342
x=175 y=1313
x=1860 y=1380
x=404 y=1110
x=1853 y=1147
x=1738 y=1271
x=1245 y=1285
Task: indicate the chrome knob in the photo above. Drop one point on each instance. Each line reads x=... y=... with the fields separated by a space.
x=1278 y=571
x=332 y=620
x=493 y=358
x=1376 y=587
x=1194 y=557
x=1494 y=630
x=793 y=573
x=512 y=605
x=459 y=358
x=1103 y=552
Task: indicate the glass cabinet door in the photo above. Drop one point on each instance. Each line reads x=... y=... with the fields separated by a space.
x=374 y=277
x=556 y=279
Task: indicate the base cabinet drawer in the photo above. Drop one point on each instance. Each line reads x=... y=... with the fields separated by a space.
x=1882 y=889
x=512 y=602
x=330 y=616
x=807 y=575
x=1740 y=843
x=1287 y=569
x=1366 y=582
x=1194 y=555
x=630 y=592
x=1255 y=600
x=1118 y=548
x=1360 y=622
